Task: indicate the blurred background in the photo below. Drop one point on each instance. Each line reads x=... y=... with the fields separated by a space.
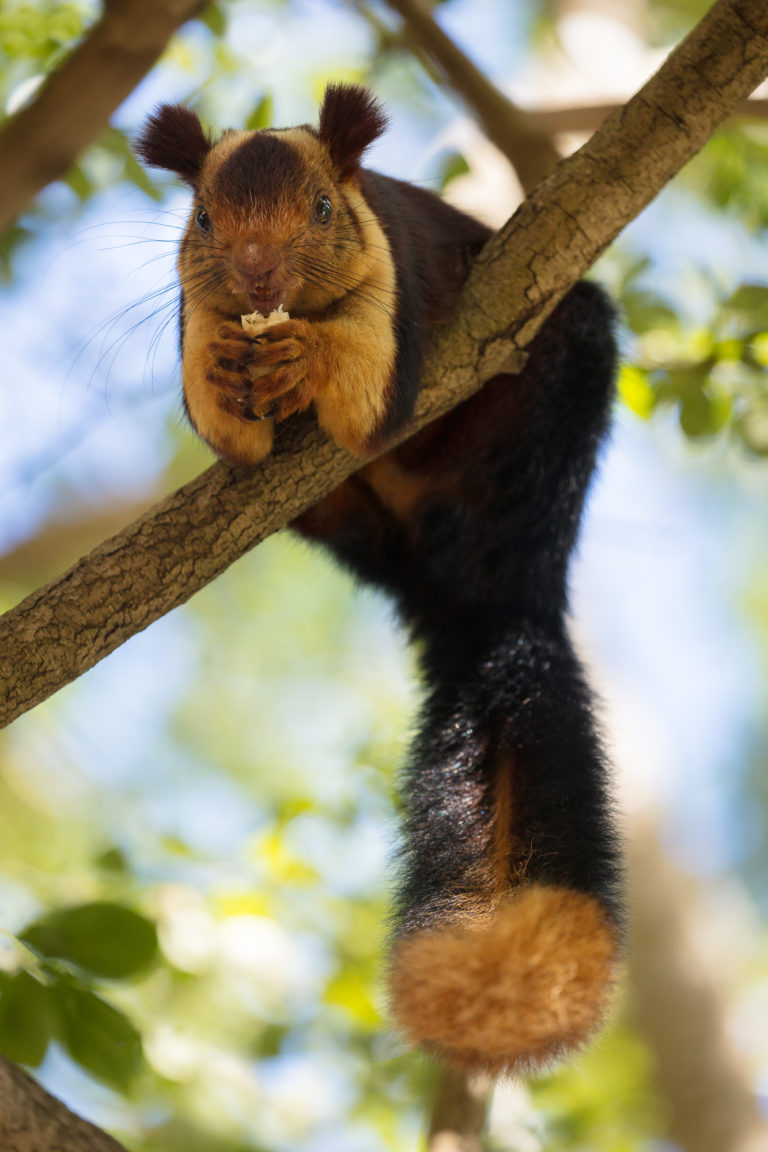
x=220 y=793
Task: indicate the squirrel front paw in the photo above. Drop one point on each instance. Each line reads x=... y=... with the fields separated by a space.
x=230 y=360
x=265 y=375
x=280 y=367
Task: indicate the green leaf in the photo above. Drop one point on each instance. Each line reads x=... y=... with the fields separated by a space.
x=696 y=416
x=11 y=239
x=645 y=310
x=81 y=184
x=105 y=939
x=752 y=428
x=112 y=140
x=758 y=349
x=214 y=18
x=26 y=1018
x=97 y=1036
x=635 y=391
x=262 y=114
x=751 y=300
x=451 y=165
x=113 y=860
x=270 y=1043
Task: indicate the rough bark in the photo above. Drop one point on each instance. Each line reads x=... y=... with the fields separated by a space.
x=585 y=118
x=31 y=1120
x=43 y=140
x=174 y=550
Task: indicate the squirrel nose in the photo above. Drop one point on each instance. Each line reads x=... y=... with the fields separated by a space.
x=256 y=263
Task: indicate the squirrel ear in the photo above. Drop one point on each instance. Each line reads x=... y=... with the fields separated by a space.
x=350 y=120
x=173 y=138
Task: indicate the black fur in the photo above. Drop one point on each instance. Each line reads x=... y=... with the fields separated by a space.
x=479 y=573
x=173 y=138
x=350 y=120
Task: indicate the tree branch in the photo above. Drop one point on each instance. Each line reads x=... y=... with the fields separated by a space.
x=588 y=117
x=31 y=1120
x=175 y=549
x=458 y=1113
x=76 y=101
x=526 y=145
x=709 y=1101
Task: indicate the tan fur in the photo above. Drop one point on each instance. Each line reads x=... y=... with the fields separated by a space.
x=216 y=421
x=358 y=370
x=513 y=991
x=342 y=363
x=401 y=489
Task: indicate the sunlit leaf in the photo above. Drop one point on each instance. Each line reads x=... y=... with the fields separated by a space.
x=214 y=18
x=348 y=991
x=635 y=391
x=758 y=347
x=752 y=428
x=451 y=165
x=729 y=349
x=261 y=116
x=283 y=865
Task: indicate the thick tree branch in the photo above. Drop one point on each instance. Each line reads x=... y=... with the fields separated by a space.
x=175 y=549
x=43 y=140
x=31 y=1120
x=526 y=145
x=588 y=117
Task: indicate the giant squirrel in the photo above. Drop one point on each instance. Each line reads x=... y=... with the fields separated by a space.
x=508 y=919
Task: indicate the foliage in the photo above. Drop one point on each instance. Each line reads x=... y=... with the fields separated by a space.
x=34 y=37
x=713 y=374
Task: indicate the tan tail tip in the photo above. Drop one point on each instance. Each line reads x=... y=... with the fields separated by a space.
x=512 y=992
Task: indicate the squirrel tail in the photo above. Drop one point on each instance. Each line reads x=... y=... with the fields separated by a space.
x=508 y=925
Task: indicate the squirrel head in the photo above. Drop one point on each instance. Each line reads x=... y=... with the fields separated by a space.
x=278 y=215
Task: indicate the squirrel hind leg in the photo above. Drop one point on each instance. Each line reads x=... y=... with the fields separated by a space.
x=517 y=989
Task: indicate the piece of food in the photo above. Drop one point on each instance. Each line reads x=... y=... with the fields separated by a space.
x=254 y=322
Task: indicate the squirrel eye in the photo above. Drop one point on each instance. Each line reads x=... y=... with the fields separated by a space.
x=203 y=220
x=323 y=210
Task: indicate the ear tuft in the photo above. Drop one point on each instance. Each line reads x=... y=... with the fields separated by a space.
x=350 y=120
x=173 y=138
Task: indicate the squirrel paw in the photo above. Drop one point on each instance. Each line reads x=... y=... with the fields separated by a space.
x=231 y=356
x=266 y=374
x=280 y=367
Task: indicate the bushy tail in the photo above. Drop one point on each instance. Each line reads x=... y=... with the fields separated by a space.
x=509 y=922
